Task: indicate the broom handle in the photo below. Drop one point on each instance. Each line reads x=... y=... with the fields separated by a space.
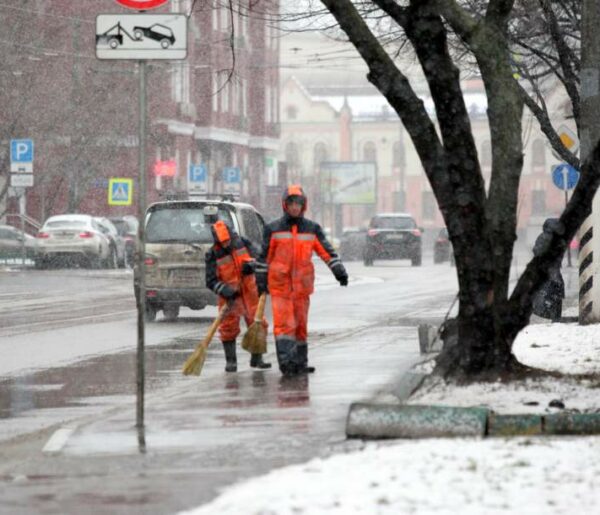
x=215 y=325
x=260 y=309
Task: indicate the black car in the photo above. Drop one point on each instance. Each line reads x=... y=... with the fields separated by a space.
x=442 y=249
x=352 y=243
x=127 y=227
x=157 y=32
x=393 y=236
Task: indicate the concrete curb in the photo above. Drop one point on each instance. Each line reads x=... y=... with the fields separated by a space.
x=374 y=421
x=412 y=421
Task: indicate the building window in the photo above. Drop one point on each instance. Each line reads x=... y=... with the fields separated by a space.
x=181 y=83
x=292 y=156
x=225 y=92
x=538 y=202
x=538 y=154
x=428 y=205
x=225 y=17
x=268 y=104
x=397 y=155
x=215 y=93
x=244 y=98
x=215 y=15
x=370 y=152
x=320 y=155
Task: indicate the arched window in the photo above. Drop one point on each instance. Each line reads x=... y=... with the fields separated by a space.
x=320 y=155
x=538 y=153
x=292 y=156
x=486 y=154
x=370 y=152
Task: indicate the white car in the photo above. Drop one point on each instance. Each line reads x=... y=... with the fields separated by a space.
x=116 y=240
x=74 y=237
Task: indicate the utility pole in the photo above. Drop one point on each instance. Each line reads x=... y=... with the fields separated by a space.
x=589 y=253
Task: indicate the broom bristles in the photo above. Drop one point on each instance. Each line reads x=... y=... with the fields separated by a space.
x=255 y=339
x=193 y=365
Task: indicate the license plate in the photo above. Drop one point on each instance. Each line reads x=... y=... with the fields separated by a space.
x=395 y=237
x=184 y=277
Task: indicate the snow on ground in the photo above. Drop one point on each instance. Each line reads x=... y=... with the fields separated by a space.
x=565 y=348
x=545 y=475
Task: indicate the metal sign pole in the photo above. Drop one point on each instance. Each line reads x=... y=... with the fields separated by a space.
x=141 y=254
x=22 y=210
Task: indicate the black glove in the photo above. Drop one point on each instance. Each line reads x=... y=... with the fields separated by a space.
x=248 y=267
x=261 y=283
x=340 y=274
x=228 y=293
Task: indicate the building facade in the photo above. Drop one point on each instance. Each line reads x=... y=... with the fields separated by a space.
x=354 y=124
x=217 y=108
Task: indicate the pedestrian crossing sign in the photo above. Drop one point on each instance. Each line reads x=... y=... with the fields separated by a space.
x=120 y=192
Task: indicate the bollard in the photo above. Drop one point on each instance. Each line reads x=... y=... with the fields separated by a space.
x=572 y=424
x=514 y=425
x=414 y=421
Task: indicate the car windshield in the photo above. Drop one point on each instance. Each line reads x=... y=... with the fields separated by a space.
x=393 y=222
x=181 y=224
x=66 y=224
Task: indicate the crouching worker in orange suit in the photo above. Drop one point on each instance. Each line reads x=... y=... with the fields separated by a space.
x=285 y=270
x=230 y=274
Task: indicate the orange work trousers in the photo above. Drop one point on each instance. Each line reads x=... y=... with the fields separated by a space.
x=290 y=317
x=230 y=325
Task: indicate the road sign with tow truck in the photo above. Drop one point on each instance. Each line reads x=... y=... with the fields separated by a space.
x=141 y=36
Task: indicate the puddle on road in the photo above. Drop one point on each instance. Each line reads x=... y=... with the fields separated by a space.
x=102 y=376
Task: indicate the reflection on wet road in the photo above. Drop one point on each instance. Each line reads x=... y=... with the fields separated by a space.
x=77 y=385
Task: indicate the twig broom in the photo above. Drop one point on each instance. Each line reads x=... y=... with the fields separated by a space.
x=193 y=365
x=255 y=339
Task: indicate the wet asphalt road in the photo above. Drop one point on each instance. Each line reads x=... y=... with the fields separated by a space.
x=202 y=433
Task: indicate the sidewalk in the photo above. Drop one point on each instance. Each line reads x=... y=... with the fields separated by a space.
x=532 y=474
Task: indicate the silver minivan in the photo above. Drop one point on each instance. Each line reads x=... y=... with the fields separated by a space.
x=177 y=237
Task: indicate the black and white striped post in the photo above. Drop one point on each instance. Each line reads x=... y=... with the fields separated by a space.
x=589 y=253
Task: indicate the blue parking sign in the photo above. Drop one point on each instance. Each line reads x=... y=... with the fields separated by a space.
x=21 y=150
x=21 y=155
x=231 y=175
x=232 y=178
x=197 y=178
x=197 y=173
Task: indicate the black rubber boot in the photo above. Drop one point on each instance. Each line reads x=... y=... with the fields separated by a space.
x=230 y=357
x=256 y=361
x=302 y=350
x=287 y=356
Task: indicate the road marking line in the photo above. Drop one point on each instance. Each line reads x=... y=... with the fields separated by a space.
x=58 y=440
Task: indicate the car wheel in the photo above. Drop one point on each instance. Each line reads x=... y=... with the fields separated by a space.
x=165 y=43
x=41 y=263
x=138 y=34
x=416 y=260
x=150 y=313
x=171 y=312
x=113 y=43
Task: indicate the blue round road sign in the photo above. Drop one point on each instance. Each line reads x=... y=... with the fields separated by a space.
x=564 y=176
